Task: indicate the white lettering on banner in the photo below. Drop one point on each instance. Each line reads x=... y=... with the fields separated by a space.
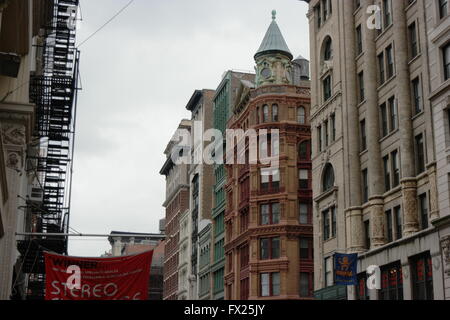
x=374 y=278
x=74 y=281
x=86 y=291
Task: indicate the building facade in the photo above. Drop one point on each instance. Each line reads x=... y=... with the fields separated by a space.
x=374 y=165
x=176 y=204
x=200 y=179
x=224 y=100
x=268 y=222
x=438 y=40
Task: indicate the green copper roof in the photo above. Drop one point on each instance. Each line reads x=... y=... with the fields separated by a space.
x=273 y=41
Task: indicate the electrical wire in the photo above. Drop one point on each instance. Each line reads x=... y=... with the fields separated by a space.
x=106 y=23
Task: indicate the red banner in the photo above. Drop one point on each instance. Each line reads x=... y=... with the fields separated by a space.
x=118 y=278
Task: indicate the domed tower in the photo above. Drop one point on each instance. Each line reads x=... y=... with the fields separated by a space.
x=273 y=58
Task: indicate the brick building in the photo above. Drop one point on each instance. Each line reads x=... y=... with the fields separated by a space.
x=268 y=220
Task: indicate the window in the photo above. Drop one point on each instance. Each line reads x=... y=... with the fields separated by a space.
x=398 y=222
x=384 y=120
x=306 y=251
x=359 y=45
x=257 y=115
x=326 y=225
x=306 y=289
x=318 y=14
x=333 y=127
x=303 y=151
x=362 y=292
x=361 y=86
x=365 y=186
x=301 y=115
x=304 y=216
x=390 y=62
x=328 y=50
x=387 y=174
x=417 y=95
x=270 y=248
x=363 y=135
x=443 y=8
x=422 y=277
x=413 y=40
x=367 y=234
x=393 y=116
x=327 y=137
x=446 y=55
x=319 y=137
x=266 y=113
x=245 y=289
x=270 y=284
x=270 y=214
x=244 y=256
x=391 y=282
x=381 y=72
x=303 y=178
x=423 y=207
x=395 y=169
x=333 y=222
x=420 y=154
x=270 y=180
x=328 y=178
x=275 y=113
x=387 y=13
x=327 y=88
x=329 y=279
x=389 y=229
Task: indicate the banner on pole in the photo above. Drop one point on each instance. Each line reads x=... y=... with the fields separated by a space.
x=118 y=278
x=345 y=269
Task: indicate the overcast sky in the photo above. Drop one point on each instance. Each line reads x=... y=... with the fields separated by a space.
x=138 y=75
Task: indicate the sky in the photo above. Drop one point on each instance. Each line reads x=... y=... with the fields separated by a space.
x=137 y=76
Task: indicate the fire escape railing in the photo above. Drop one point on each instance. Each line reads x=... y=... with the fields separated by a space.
x=54 y=93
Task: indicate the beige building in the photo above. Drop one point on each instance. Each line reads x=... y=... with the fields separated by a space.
x=374 y=164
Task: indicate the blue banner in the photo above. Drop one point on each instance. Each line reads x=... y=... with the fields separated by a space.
x=345 y=269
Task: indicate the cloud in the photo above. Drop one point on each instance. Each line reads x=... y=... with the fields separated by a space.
x=138 y=74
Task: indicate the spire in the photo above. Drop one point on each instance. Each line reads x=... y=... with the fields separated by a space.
x=273 y=40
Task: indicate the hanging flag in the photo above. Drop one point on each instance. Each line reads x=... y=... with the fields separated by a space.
x=345 y=269
x=118 y=278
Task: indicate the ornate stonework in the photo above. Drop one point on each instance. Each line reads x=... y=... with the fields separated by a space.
x=377 y=222
x=410 y=214
x=445 y=243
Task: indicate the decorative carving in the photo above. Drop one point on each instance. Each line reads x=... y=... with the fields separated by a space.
x=14 y=160
x=13 y=134
x=445 y=243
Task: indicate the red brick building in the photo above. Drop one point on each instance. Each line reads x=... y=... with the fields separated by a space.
x=269 y=233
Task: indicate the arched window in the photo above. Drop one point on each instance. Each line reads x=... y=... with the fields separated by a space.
x=275 y=113
x=266 y=113
x=303 y=151
x=328 y=178
x=301 y=115
x=327 y=49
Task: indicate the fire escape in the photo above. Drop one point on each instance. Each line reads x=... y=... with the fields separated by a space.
x=54 y=92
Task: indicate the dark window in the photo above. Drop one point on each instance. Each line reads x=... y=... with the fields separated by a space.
x=319 y=138
x=365 y=186
x=359 y=45
x=333 y=222
x=363 y=135
x=270 y=214
x=413 y=40
x=361 y=86
x=306 y=249
x=387 y=174
x=387 y=13
x=301 y=115
x=333 y=127
x=420 y=154
x=423 y=207
x=395 y=169
x=391 y=282
x=266 y=113
x=275 y=113
x=327 y=88
x=306 y=288
x=398 y=222
x=328 y=50
x=417 y=95
x=303 y=178
x=304 y=213
x=328 y=178
x=270 y=248
x=393 y=114
x=367 y=233
x=326 y=225
x=381 y=72
x=245 y=289
x=384 y=121
x=389 y=226
x=446 y=55
x=303 y=151
x=422 y=277
x=270 y=180
x=443 y=8
x=390 y=61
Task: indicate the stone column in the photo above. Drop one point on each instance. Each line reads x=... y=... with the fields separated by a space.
x=376 y=178
x=434 y=205
x=409 y=187
x=354 y=218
